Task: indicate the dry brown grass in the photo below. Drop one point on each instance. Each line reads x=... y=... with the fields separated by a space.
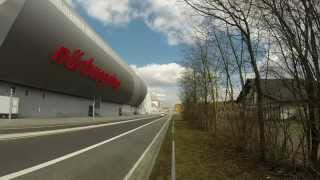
x=199 y=156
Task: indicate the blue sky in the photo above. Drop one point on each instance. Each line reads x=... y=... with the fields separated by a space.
x=135 y=42
x=149 y=35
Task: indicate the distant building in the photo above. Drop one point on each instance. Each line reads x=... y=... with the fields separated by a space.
x=155 y=103
x=151 y=103
x=178 y=108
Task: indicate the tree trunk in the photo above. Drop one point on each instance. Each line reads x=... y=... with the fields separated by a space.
x=259 y=98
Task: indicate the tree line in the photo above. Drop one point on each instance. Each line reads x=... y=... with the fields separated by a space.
x=260 y=39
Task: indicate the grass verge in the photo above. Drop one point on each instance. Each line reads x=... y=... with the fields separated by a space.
x=200 y=156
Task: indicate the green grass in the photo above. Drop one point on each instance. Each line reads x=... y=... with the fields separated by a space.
x=199 y=156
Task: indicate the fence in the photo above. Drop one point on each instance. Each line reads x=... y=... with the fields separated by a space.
x=285 y=130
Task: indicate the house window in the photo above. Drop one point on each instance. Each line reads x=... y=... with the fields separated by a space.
x=27 y=92
x=13 y=90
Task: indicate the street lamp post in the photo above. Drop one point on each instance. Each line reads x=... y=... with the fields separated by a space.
x=93 y=107
x=10 y=103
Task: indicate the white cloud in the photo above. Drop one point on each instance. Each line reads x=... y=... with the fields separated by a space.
x=168 y=17
x=107 y=11
x=162 y=80
x=2 y=1
x=160 y=74
x=171 y=18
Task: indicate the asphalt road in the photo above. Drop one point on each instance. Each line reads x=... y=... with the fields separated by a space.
x=112 y=160
x=56 y=126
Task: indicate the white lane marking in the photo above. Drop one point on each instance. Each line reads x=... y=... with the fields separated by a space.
x=54 y=161
x=58 y=131
x=135 y=166
x=38 y=127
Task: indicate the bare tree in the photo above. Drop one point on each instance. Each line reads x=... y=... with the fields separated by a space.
x=295 y=25
x=241 y=15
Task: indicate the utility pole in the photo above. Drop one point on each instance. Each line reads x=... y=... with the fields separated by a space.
x=10 y=103
x=93 y=107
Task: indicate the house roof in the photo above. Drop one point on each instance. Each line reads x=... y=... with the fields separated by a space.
x=281 y=90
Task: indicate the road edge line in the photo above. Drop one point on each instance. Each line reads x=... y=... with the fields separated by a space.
x=70 y=155
x=14 y=136
x=77 y=124
x=137 y=163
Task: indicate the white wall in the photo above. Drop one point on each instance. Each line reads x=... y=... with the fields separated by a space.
x=146 y=105
x=38 y=103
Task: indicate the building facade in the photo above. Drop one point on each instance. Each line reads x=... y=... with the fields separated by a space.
x=178 y=108
x=58 y=66
x=282 y=98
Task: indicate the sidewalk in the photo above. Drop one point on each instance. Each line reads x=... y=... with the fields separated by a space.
x=39 y=122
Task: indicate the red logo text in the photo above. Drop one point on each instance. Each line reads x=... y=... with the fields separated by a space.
x=72 y=61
